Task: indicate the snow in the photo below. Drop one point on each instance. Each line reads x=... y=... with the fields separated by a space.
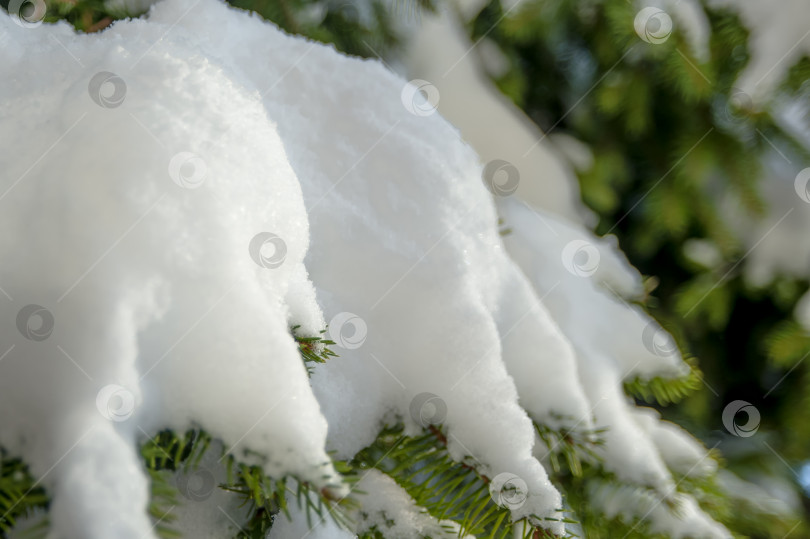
x=776 y=244
x=203 y=510
x=779 y=37
x=221 y=182
x=613 y=340
x=769 y=495
x=298 y=526
x=702 y=252
x=151 y=286
x=679 y=450
x=440 y=52
x=430 y=297
x=389 y=508
x=688 y=520
x=581 y=280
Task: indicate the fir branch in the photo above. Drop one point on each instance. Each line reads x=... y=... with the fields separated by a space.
x=666 y=390
x=595 y=524
x=163 y=454
x=263 y=497
x=266 y=497
x=20 y=494
x=447 y=489
x=787 y=344
x=313 y=349
x=571 y=447
x=162 y=499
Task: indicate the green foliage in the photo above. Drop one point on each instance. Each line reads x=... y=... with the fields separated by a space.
x=577 y=471
x=366 y=30
x=85 y=15
x=787 y=344
x=459 y=492
x=739 y=513
x=788 y=349
x=594 y=523
x=267 y=498
x=170 y=452
x=20 y=494
x=503 y=228
x=569 y=449
x=670 y=136
x=668 y=133
x=665 y=391
x=263 y=497
x=420 y=464
x=313 y=349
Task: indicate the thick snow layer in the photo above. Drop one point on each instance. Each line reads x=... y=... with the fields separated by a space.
x=614 y=341
x=404 y=236
x=157 y=176
x=582 y=281
x=180 y=190
x=139 y=258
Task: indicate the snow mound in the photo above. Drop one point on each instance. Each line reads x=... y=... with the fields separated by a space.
x=181 y=190
x=614 y=341
x=135 y=178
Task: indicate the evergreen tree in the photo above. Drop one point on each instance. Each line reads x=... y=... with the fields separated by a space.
x=632 y=117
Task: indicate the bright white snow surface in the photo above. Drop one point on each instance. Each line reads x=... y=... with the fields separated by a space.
x=181 y=189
